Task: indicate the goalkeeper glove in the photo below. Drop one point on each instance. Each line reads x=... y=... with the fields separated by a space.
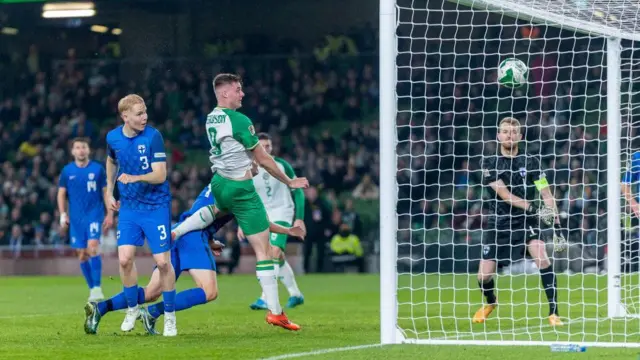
x=545 y=213
x=559 y=242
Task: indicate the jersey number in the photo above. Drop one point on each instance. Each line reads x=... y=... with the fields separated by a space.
x=215 y=148
x=145 y=162
x=268 y=191
x=91 y=186
x=163 y=232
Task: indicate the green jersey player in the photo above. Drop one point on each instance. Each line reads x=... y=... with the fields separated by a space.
x=283 y=206
x=234 y=147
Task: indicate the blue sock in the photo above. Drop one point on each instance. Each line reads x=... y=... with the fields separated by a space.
x=131 y=294
x=86 y=271
x=156 y=309
x=184 y=300
x=118 y=302
x=96 y=270
x=169 y=299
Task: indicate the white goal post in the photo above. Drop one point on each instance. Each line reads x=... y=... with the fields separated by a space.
x=449 y=50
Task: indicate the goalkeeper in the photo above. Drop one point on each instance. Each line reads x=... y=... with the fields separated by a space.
x=512 y=178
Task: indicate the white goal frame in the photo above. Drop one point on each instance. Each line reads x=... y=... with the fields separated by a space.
x=390 y=333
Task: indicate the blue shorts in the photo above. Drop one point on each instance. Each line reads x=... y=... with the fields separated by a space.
x=154 y=225
x=192 y=251
x=81 y=232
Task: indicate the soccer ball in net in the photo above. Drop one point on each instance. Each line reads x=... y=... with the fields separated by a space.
x=512 y=73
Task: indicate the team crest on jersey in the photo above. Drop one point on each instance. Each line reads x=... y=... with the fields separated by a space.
x=265 y=176
x=252 y=130
x=486 y=173
x=91 y=176
x=141 y=149
x=523 y=172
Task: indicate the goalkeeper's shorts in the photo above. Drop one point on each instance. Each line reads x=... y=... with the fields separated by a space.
x=507 y=243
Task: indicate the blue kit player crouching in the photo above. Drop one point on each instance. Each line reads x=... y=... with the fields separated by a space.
x=192 y=253
x=136 y=156
x=83 y=183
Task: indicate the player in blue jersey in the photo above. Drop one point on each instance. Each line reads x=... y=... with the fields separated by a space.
x=630 y=183
x=83 y=183
x=192 y=253
x=137 y=158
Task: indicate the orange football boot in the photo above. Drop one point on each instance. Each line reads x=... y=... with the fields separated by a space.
x=282 y=321
x=484 y=312
x=554 y=320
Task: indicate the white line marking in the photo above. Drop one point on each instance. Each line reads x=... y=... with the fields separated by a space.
x=322 y=352
x=36 y=315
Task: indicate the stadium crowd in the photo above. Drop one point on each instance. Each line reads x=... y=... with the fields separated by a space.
x=290 y=97
x=321 y=111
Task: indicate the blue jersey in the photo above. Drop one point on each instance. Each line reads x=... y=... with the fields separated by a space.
x=134 y=156
x=205 y=198
x=84 y=188
x=632 y=175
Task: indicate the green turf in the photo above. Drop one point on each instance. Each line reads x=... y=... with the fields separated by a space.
x=41 y=318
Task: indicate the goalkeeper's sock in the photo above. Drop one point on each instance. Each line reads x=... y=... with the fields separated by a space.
x=550 y=285
x=118 y=302
x=198 y=221
x=488 y=290
x=288 y=278
x=85 y=266
x=267 y=278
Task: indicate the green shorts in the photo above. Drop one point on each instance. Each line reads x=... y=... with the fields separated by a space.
x=240 y=199
x=279 y=240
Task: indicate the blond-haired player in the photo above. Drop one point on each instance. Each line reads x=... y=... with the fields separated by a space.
x=512 y=181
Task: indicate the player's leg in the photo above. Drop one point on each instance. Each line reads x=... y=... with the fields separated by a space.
x=537 y=250
x=486 y=275
x=129 y=236
x=93 y=250
x=283 y=269
x=197 y=221
x=193 y=254
x=157 y=227
x=78 y=241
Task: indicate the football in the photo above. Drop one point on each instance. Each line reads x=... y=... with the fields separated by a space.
x=512 y=73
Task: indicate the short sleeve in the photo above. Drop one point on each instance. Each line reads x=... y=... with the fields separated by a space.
x=243 y=131
x=62 y=180
x=158 y=153
x=111 y=153
x=489 y=171
x=633 y=170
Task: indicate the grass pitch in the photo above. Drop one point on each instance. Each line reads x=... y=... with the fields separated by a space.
x=42 y=318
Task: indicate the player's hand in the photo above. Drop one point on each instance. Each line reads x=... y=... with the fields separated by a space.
x=297 y=231
x=559 y=242
x=108 y=222
x=127 y=179
x=299 y=183
x=113 y=204
x=64 y=222
x=254 y=169
x=299 y=223
x=241 y=236
x=546 y=214
x=216 y=246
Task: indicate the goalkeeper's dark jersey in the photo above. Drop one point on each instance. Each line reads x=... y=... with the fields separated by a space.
x=518 y=174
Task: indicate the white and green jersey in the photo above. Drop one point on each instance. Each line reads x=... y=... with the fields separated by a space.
x=275 y=195
x=232 y=137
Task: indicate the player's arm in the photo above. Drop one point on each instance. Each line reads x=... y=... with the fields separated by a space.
x=296 y=194
x=503 y=192
x=112 y=171
x=244 y=133
x=62 y=200
x=542 y=185
x=106 y=198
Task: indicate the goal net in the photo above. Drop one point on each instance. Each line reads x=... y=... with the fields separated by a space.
x=580 y=116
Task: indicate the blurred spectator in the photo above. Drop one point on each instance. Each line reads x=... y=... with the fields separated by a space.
x=319 y=228
x=366 y=190
x=346 y=250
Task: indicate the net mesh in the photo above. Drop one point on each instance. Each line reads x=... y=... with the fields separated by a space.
x=449 y=105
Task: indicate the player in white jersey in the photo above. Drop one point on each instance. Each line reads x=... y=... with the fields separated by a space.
x=283 y=205
x=234 y=146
